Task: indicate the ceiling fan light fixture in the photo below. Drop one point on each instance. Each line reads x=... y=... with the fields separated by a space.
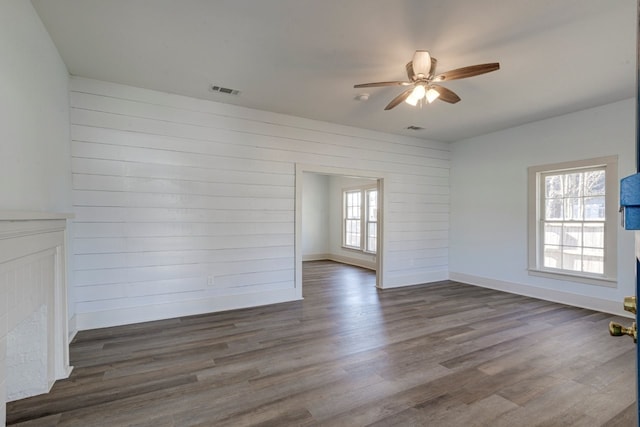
x=432 y=95
x=416 y=95
x=421 y=72
x=421 y=63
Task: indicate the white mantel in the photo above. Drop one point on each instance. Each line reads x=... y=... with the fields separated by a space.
x=34 y=343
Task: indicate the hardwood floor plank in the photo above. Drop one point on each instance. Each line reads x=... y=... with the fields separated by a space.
x=30 y=408
x=442 y=354
x=626 y=417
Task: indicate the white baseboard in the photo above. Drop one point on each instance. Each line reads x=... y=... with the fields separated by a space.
x=126 y=316
x=316 y=257
x=583 y=301
x=66 y=374
x=415 y=279
x=370 y=265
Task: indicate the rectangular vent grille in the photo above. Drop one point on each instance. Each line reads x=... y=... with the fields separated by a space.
x=214 y=88
x=414 y=127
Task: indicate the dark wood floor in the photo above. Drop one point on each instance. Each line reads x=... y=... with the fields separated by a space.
x=349 y=355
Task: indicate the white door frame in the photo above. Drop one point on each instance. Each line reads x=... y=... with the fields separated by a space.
x=382 y=207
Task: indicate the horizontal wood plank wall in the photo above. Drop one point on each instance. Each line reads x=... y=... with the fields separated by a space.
x=186 y=206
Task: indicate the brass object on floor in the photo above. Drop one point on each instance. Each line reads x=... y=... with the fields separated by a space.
x=617 y=330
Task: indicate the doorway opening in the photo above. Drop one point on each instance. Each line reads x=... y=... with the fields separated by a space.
x=339 y=217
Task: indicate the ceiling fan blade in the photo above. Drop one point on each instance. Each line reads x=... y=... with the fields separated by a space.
x=398 y=99
x=464 y=72
x=421 y=63
x=381 y=84
x=446 y=95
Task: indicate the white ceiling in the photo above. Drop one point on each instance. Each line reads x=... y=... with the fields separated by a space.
x=302 y=57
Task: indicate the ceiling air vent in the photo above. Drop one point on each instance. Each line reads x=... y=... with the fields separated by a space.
x=214 y=88
x=414 y=127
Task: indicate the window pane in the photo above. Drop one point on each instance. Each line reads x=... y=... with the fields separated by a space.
x=372 y=234
x=352 y=233
x=552 y=256
x=573 y=184
x=594 y=183
x=354 y=198
x=553 y=186
x=372 y=206
x=373 y=214
x=552 y=233
x=571 y=258
x=593 y=260
x=371 y=244
x=554 y=209
x=573 y=208
x=572 y=234
x=352 y=204
x=594 y=208
x=593 y=235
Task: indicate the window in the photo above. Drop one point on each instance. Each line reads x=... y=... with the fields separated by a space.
x=572 y=229
x=352 y=218
x=361 y=219
x=372 y=220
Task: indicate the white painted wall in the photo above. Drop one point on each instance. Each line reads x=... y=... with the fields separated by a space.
x=34 y=115
x=169 y=190
x=315 y=216
x=34 y=133
x=489 y=201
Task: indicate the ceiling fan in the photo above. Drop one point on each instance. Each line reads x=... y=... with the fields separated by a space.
x=421 y=71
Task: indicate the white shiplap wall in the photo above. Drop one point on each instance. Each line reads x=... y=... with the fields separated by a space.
x=170 y=190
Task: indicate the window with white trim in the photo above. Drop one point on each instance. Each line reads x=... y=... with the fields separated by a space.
x=360 y=219
x=352 y=219
x=371 y=220
x=572 y=220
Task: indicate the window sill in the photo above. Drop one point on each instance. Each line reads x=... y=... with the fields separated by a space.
x=587 y=280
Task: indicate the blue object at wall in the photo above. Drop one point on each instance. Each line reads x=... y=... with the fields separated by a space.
x=630 y=201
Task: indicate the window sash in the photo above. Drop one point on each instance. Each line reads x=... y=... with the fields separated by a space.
x=562 y=206
x=591 y=221
x=371 y=222
x=573 y=246
x=352 y=233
